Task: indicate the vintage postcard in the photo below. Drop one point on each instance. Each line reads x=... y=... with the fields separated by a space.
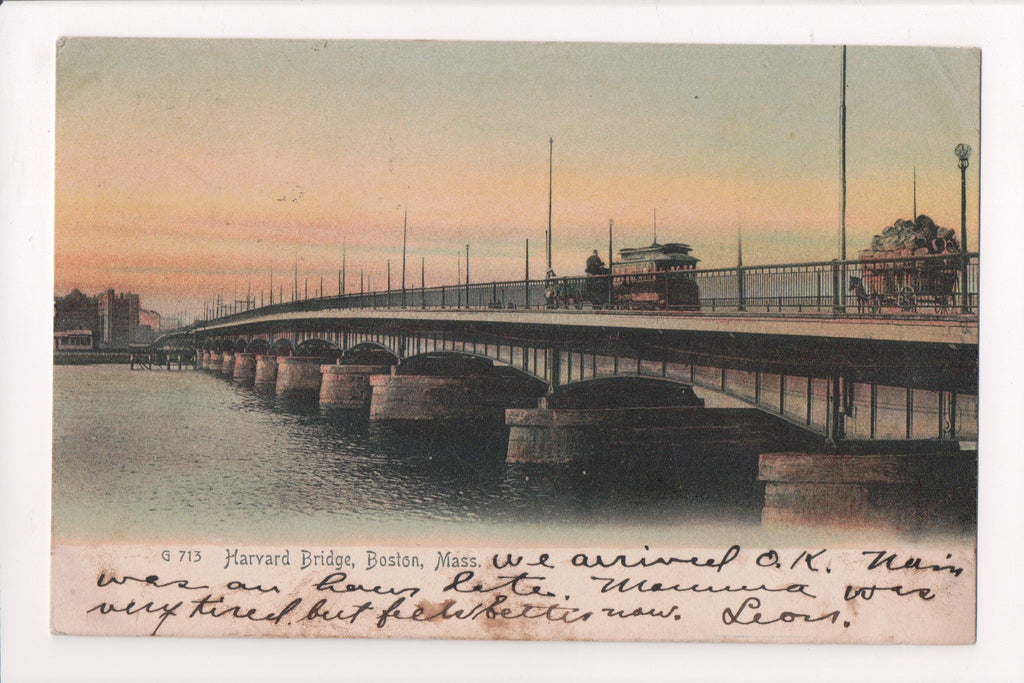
x=381 y=349
x=515 y=340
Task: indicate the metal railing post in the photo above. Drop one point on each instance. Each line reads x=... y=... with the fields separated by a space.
x=836 y=287
x=741 y=297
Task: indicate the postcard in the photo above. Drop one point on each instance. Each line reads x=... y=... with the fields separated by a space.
x=515 y=340
x=513 y=352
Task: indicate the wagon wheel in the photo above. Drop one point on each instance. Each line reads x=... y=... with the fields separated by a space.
x=907 y=299
x=943 y=304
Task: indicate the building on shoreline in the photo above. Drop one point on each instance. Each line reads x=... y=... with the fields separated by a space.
x=104 y=321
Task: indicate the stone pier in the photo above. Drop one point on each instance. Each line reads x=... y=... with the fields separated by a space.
x=348 y=386
x=905 y=491
x=216 y=361
x=297 y=375
x=227 y=364
x=266 y=371
x=450 y=389
x=421 y=398
x=573 y=436
x=245 y=368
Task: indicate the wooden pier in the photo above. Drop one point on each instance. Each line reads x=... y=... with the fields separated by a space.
x=162 y=360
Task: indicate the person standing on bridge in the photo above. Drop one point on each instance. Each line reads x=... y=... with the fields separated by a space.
x=595 y=266
x=551 y=290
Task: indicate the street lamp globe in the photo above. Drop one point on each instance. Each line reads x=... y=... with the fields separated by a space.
x=962 y=152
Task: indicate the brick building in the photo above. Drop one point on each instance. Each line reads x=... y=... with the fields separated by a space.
x=119 y=318
x=111 y=319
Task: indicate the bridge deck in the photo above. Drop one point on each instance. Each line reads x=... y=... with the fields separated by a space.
x=905 y=329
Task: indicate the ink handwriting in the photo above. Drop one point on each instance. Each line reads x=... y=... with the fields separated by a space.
x=583 y=560
x=743 y=616
x=165 y=610
x=642 y=586
x=152 y=580
x=886 y=560
x=335 y=583
x=514 y=583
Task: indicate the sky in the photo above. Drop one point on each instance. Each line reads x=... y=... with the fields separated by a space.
x=187 y=169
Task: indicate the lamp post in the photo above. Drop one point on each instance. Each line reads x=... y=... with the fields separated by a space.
x=611 y=224
x=963 y=152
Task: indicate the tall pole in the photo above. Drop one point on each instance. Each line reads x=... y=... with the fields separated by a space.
x=551 y=162
x=344 y=269
x=963 y=152
x=423 y=281
x=467 y=276
x=389 y=283
x=526 y=279
x=914 y=217
x=295 y=285
x=842 y=125
x=611 y=227
x=458 y=277
x=405 y=232
x=741 y=303
x=272 y=284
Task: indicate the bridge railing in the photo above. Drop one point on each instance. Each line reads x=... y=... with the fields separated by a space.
x=911 y=286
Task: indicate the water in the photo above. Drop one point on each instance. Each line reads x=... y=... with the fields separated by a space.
x=148 y=455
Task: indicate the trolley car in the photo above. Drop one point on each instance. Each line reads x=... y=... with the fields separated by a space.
x=655 y=277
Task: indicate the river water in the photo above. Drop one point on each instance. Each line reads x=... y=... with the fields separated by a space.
x=150 y=455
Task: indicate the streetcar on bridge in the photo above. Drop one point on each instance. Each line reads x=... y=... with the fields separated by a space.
x=654 y=277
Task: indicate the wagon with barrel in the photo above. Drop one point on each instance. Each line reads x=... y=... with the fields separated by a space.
x=911 y=265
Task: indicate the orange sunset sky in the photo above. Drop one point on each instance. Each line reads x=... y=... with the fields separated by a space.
x=191 y=168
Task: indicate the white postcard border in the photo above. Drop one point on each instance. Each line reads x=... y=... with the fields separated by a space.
x=27 y=35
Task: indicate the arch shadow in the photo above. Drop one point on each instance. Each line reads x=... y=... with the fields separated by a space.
x=318 y=348
x=369 y=353
x=282 y=347
x=623 y=391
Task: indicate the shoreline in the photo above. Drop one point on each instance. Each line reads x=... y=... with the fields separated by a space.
x=91 y=357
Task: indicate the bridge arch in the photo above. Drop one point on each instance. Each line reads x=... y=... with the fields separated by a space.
x=496 y=361
x=259 y=345
x=282 y=347
x=623 y=391
x=446 y=363
x=507 y=380
x=320 y=348
x=369 y=353
x=175 y=340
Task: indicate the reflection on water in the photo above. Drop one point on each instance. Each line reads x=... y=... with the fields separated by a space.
x=148 y=455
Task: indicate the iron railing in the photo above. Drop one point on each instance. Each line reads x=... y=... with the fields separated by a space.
x=924 y=286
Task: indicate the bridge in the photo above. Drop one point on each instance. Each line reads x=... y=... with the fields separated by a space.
x=817 y=366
